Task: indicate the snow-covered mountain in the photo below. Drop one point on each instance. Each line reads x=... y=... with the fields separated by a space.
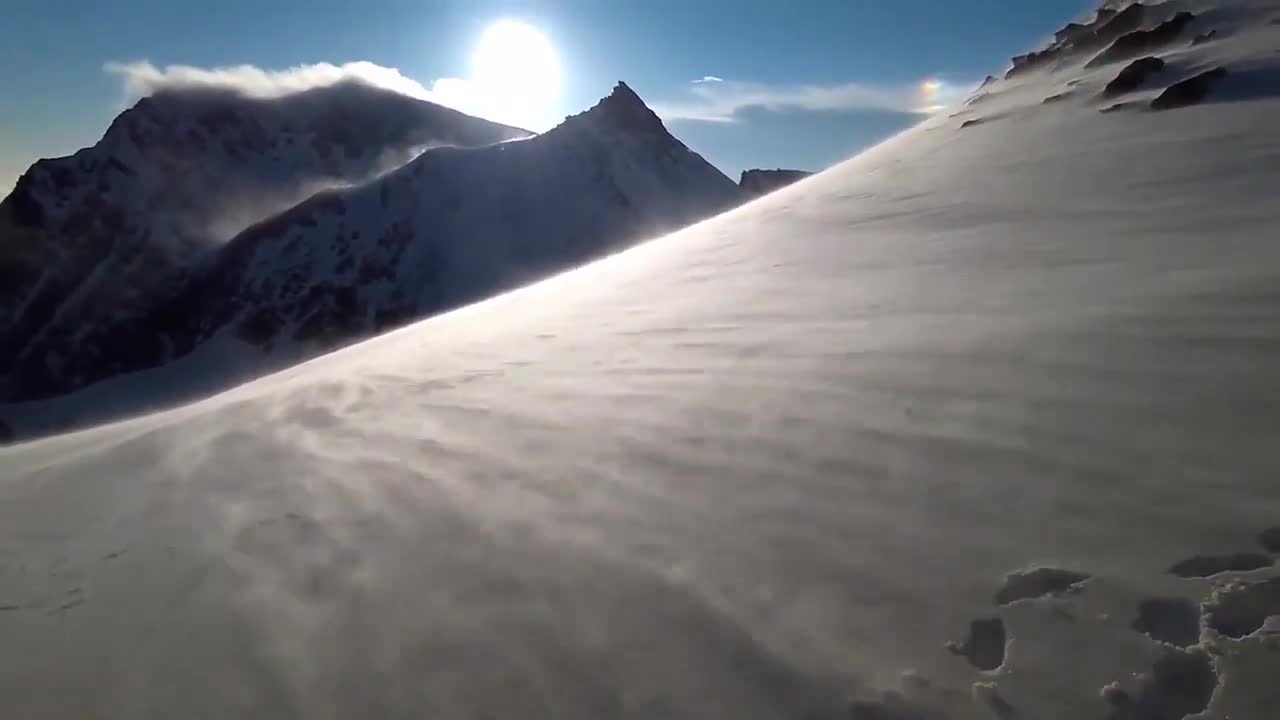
x=353 y=262
x=97 y=239
x=452 y=226
x=979 y=424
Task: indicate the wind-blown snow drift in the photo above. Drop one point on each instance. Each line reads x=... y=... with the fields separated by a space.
x=766 y=467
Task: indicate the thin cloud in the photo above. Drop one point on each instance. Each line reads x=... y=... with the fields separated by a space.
x=717 y=100
x=708 y=79
x=141 y=78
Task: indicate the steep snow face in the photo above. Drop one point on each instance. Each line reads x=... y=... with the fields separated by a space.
x=95 y=239
x=454 y=226
x=979 y=424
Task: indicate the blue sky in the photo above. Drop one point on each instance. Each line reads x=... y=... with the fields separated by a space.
x=801 y=83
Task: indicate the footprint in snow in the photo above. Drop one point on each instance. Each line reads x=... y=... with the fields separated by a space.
x=1202 y=566
x=984 y=647
x=1039 y=582
x=1170 y=620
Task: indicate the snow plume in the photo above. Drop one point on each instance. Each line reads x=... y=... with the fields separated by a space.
x=141 y=78
x=713 y=99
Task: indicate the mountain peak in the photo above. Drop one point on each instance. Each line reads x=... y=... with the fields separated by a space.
x=624 y=110
x=623 y=93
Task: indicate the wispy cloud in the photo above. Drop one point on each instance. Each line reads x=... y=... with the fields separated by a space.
x=714 y=99
x=141 y=78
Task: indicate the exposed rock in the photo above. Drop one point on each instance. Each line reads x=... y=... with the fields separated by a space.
x=1072 y=33
x=1132 y=76
x=1116 y=24
x=1191 y=91
x=1076 y=38
x=1029 y=61
x=1140 y=41
x=760 y=182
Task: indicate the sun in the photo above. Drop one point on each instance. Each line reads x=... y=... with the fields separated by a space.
x=517 y=74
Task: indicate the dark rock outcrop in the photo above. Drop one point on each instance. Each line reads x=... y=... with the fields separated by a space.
x=1075 y=38
x=1140 y=41
x=1191 y=91
x=1116 y=24
x=1132 y=76
x=757 y=182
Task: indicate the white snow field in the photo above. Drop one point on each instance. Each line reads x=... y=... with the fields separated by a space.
x=776 y=465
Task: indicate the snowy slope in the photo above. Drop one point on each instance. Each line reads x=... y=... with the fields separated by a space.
x=765 y=467
x=95 y=239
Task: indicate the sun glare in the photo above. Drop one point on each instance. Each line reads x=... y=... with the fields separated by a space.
x=931 y=96
x=517 y=74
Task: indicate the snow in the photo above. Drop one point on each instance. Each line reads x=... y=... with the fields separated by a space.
x=452 y=226
x=115 y=229
x=765 y=467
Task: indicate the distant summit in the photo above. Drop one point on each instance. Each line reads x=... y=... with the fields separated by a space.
x=95 y=241
x=353 y=256
x=623 y=109
x=759 y=182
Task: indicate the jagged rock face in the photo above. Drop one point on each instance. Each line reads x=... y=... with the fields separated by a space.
x=1109 y=23
x=1139 y=41
x=1191 y=91
x=95 y=240
x=450 y=227
x=760 y=182
x=1133 y=75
